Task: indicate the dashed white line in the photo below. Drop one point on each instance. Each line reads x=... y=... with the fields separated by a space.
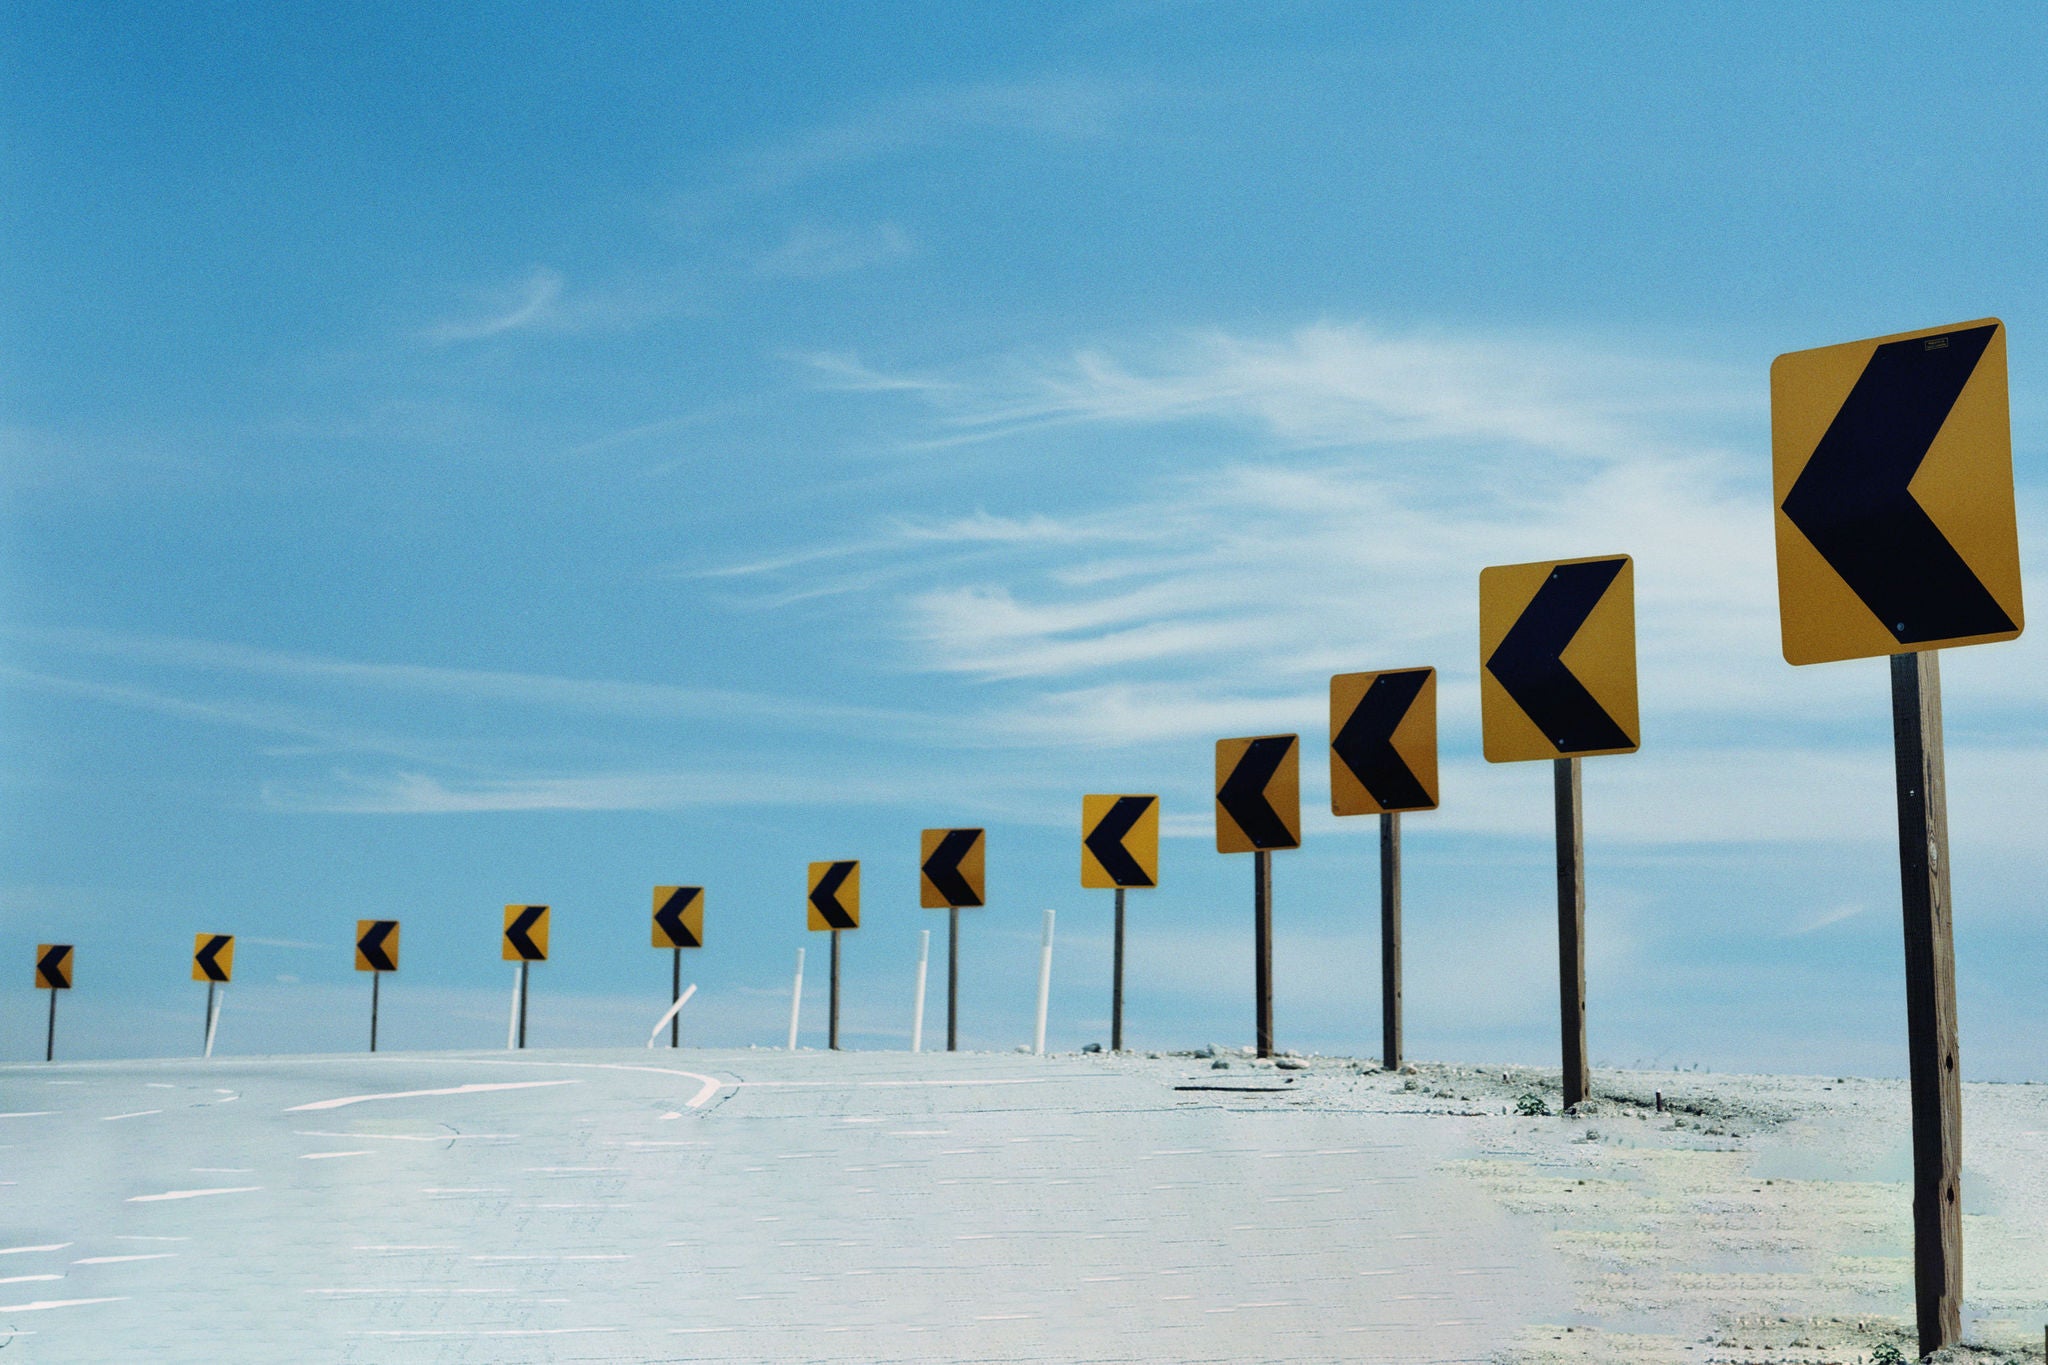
x=474 y=1088
x=138 y=1114
x=24 y=1279
x=191 y=1194
x=42 y=1304
x=329 y=1156
x=29 y=1114
x=138 y=1256
x=47 y=1246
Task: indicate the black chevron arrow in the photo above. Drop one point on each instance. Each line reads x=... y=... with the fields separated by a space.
x=1853 y=501
x=515 y=933
x=55 y=966
x=207 y=957
x=1106 y=841
x=942 y=869
x=371 y=945
x=1527 y=662
x=1243 y=793
x=826 y=896
x=670 y=916
x=1366 y=743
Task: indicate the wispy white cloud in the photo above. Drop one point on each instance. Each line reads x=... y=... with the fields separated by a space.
x=531 y=302
x=812 y=252
x=636 y=700
x=1369 y=476
x=1069 y=108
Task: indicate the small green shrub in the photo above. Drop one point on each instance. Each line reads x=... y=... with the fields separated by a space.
x=1887 y=1353
x=1531 y=1105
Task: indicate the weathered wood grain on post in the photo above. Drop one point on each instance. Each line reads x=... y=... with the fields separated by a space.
x=1571 y=931
x=1930 y=999
x=1390 y=941
x=1262 y=946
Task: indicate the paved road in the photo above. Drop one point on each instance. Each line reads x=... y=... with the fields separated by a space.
x=656 y=1206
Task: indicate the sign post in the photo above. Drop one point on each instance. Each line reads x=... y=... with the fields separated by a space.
x=834 y=901
x=1557 y=647
x=1119 y=850
x=213 y=961
x=53 y=974
x=1258 y=809
x=376 y=953
x=952 y=872
x=678 y=924
x=525 y=941
x=1891 y=463
x=1383 y=762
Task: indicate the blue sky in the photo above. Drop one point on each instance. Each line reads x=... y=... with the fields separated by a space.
x=527 y=453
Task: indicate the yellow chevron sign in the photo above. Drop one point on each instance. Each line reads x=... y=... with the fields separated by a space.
x=1258 y=793
x=952 y=868
x=834 y=895
x=1557 y=659
x=376 y=945
x=1891 y=465
x=526 y=934
x=1119 y=841
x=1383 y=741
x=213 y=957
x=53 y=967
x=679 y=917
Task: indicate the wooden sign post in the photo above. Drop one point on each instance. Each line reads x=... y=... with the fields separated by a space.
x=1891 y=463
x=1119 y=849
x=1258 y=809
x=1535 y=706
x=1382 y=762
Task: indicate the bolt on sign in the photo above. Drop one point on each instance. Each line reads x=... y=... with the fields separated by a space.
x=213 y=957
x=526 y=934
x=1557 y=645
x=53 y=966
x=1891 y=462
x=1383 y=742
x=1258 y=793
x=679 y=917
x=1119 y=841
x=952 y=868
x=834 y=896
x=376 y=945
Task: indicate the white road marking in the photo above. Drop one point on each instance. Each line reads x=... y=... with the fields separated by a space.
x=24 y=1279
x=42 y=1304
x=422 y=1247
x=191 y=1194
x=814 y=1085
x=484 y=1331
x=326 y=1156
x=138 y=1256
x=474 y=1088
x=159 y=1085
x=222 y=1170
x=47 y=1246
x=138 y=1114
x=29 y=1114
x=408 y=1137
x=437 y=1290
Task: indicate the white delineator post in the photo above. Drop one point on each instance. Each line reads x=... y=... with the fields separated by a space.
x=673 y=1011
x=1044 y=986
x=796 y=998
x=219 y=1003
x=512 y=1025
x=924 y=954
